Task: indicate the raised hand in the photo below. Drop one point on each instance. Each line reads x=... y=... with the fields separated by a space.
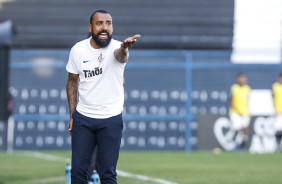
x=128 y=42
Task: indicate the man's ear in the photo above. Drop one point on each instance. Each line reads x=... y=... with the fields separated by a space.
x=90 y=28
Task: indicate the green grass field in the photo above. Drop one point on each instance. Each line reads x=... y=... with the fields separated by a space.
x=177 y=167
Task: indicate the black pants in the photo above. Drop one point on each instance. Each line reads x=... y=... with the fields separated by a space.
x=86 y=134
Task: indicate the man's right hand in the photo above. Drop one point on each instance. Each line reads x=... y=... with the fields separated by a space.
x=70 y=124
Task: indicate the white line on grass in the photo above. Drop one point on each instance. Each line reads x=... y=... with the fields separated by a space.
x=143 y=178
x=59 y=179
x=119 y=172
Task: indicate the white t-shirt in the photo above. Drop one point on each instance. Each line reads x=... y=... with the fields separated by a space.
x=100 y=90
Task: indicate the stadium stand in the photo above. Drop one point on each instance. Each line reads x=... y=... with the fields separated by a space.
x=164 y=24
x=156 y=95
x=41 y=112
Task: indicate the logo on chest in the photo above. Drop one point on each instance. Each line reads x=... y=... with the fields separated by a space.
x=100 y=58
x=92 y=73
x=97 y=71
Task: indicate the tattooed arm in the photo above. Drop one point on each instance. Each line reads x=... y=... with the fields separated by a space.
x=72 y=85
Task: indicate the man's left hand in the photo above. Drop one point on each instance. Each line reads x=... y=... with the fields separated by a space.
x=128 y=42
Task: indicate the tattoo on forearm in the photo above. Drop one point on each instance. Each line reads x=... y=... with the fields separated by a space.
x=72 y=85
x=121 y=55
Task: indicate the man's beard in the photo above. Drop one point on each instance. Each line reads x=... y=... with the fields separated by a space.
x=101 y=42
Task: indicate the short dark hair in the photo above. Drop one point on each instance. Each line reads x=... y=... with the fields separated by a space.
x=241 y=74
x=97 y=11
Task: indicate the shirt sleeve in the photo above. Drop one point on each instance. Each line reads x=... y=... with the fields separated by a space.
x=71 y=66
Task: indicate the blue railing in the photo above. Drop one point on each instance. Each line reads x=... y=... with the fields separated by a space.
x=187 y=65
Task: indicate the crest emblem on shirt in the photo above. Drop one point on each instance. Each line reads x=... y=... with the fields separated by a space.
x=100 y=58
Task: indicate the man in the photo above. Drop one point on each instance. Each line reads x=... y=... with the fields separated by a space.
x=96 y=66
x=11 y=105
x=277 y=98
x=239 y=109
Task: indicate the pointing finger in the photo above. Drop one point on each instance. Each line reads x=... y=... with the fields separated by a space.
x=136 y=36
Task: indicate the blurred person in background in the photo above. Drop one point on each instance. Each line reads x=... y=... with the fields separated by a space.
x=239 y=110
x=96 y=97
x=277 y=99
x=11 y=105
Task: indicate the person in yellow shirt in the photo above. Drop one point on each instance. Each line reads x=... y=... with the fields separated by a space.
x=239 y=109
x=277 y=99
